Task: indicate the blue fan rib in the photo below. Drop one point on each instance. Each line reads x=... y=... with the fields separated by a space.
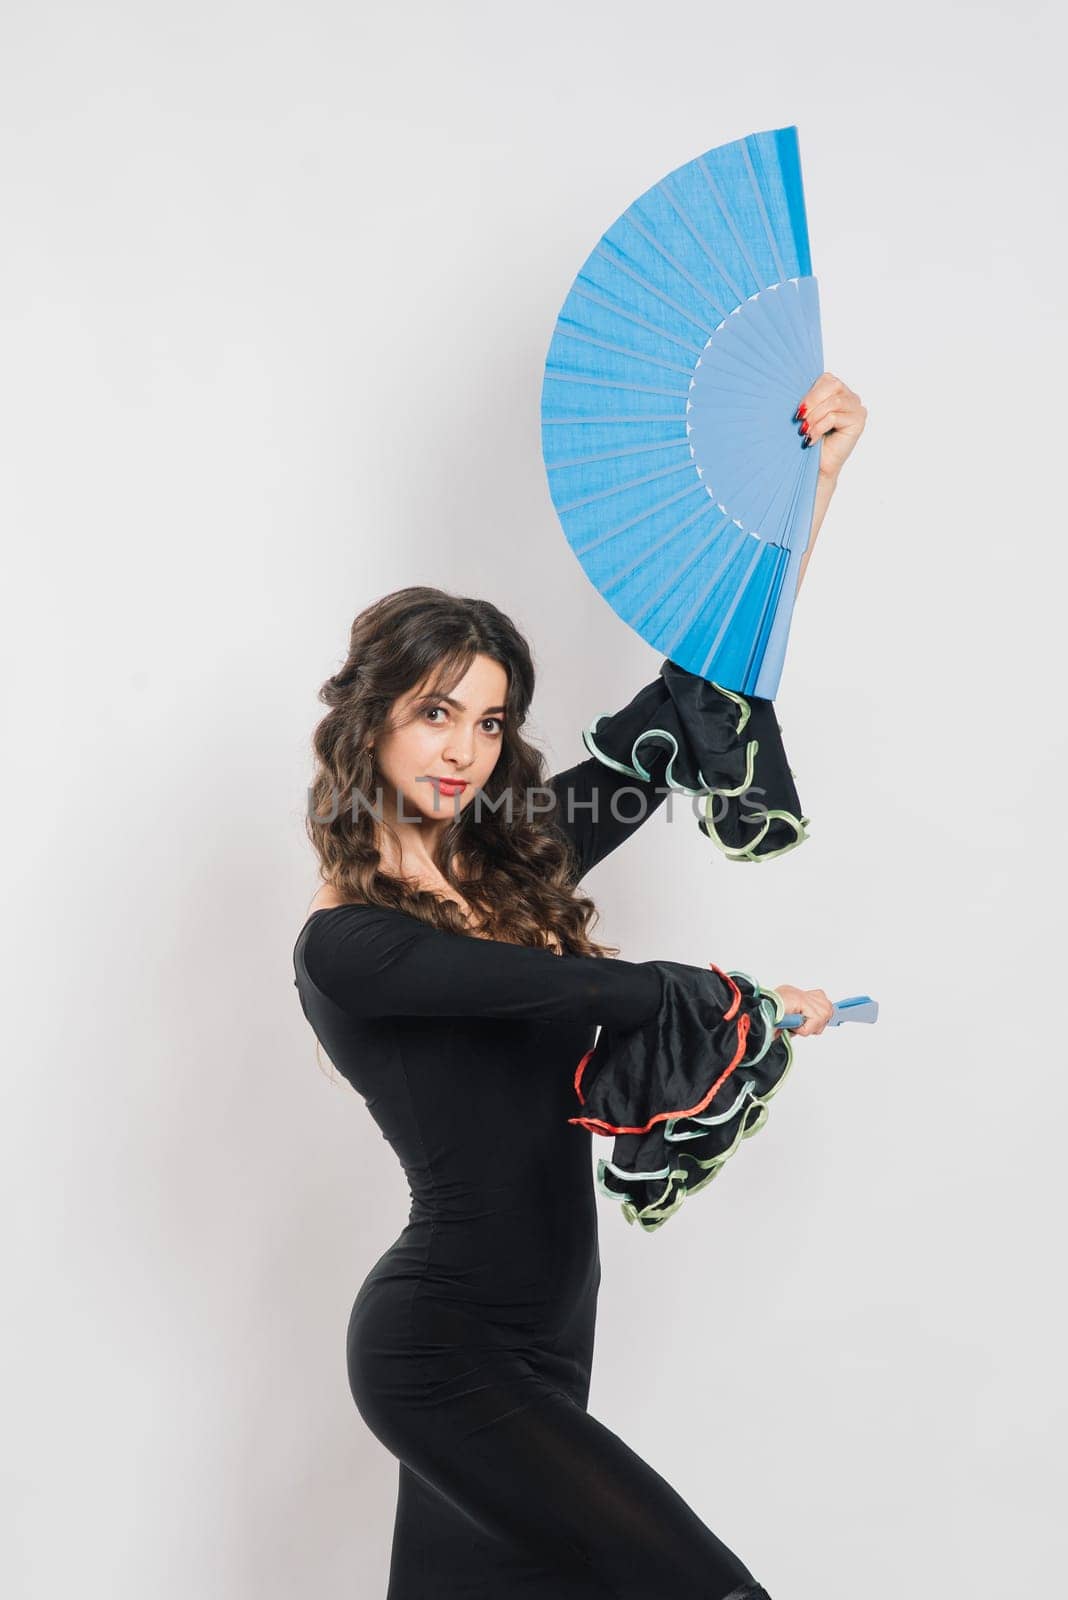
x=614 y=383
x=762 y=334
x=738 y=238
x=683 y=627
x=673 y=581
x=791 y=521
x=721 y=311
x=613 y=417
x=753 y=390
x=621 y=350
x=681 y=443
x=623 y=488
x=729 y=484
x=762 y=209
x=700 y=241
x=788 y=160
x=624 y=527
x=644 y=558
x=720 y=536
x=744 y=478
x=782 y=320
x=731 y=609
x=641 y=322
x=775 y=518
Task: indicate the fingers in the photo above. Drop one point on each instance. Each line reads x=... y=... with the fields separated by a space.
x=820 y=394
x=826 y=389
x=817 y=1007
x=829 y=404
x=824 y=422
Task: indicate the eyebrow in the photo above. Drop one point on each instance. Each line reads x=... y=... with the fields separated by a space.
x=459 y=703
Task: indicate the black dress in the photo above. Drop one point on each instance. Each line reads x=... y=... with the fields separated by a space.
x=470 y=1341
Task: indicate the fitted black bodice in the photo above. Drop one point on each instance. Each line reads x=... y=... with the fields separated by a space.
x=470 y=1343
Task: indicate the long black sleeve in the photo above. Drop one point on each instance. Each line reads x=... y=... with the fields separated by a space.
x=685 y=1061
x=683 y=733
x=597 y=807
x=374 y=962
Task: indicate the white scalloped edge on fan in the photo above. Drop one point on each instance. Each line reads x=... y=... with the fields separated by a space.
x=753 y=533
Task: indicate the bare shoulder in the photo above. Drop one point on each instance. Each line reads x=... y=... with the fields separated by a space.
x=325 y=897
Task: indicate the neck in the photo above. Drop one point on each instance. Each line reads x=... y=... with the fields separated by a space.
x=412 y=844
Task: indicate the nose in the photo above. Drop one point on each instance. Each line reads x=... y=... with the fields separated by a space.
x=458 y=757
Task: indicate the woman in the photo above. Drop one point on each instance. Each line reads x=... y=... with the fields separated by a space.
x=448 y=970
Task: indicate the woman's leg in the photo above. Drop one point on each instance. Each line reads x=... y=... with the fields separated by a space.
x=550 y=1484
x=439 y=1553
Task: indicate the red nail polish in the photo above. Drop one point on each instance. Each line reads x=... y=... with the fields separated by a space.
x=802 y=408
x=804 y=427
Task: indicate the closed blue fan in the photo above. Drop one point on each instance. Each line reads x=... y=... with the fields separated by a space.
x=674 y=457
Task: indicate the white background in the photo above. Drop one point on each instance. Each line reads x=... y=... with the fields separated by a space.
x=277 y=283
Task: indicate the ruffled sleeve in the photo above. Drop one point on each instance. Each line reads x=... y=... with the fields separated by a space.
x=681 y=1091
x=722 y=746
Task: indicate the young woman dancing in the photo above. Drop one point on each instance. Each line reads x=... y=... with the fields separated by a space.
x=448 y=970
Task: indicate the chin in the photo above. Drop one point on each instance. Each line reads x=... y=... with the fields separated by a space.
x=421 y=806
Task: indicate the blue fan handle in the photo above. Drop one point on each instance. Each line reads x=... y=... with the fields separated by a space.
x=858 y=1008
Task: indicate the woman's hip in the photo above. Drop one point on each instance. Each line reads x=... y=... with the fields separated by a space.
x=410 y=1347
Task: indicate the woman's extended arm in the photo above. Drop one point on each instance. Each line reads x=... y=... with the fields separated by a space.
x=373 y=962
x=682 y=1054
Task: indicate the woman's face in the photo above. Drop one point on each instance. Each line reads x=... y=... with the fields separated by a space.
x=455 y=737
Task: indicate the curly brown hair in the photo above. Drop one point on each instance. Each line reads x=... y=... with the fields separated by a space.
x=513 y=865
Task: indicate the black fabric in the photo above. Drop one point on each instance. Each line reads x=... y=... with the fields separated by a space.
x=717 y=1063
x=471 y=1339
x=710 y=742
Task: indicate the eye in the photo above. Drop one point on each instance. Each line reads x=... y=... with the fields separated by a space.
x=497 y=721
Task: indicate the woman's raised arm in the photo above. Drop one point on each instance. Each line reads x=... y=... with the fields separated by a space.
x=721 y=751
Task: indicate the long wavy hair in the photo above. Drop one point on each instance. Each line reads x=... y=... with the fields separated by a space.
x=516 y=871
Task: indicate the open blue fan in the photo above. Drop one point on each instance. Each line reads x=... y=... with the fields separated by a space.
x=668 y=411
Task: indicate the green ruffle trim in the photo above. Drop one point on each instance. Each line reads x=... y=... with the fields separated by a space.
x=635 y=769
x=650 y=1198
x=800 y=825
